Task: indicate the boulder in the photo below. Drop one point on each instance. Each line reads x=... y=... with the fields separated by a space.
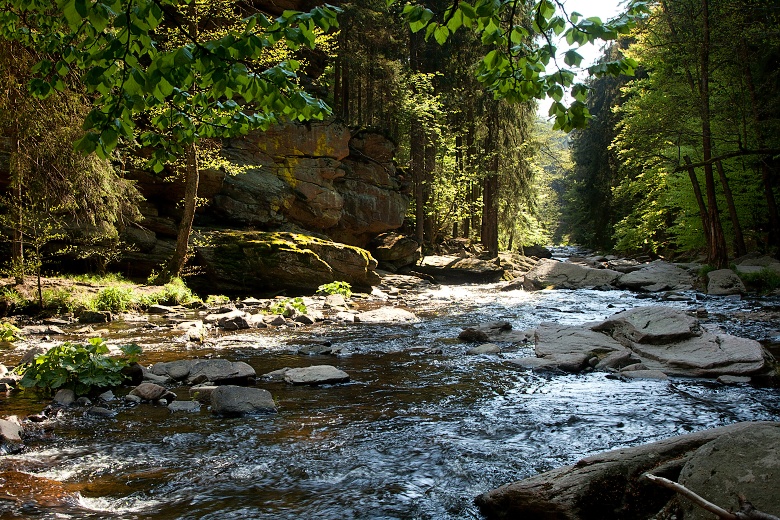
x=724 y=282
x=651 y=324
x=239 y=400
x=65 y=397
x=221 y=371
x=177 y=370
x=657 y=276
x=194 y=330
x=708 y=355
x=746 y=462
x=10 y=430
x=570 y=347
x=387 y=315
x=536 y=251
x=152 y=392
x=394 y=251
x=242 y=261
x=316 y=375
x=564 y=275
x=454 y=269
x=485 y=348
x=607 y=485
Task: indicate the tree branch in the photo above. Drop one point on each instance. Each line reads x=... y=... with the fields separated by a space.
x=730 y=155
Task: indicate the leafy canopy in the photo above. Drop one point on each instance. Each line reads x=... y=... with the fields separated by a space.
x=187 y=88
x=516 y=70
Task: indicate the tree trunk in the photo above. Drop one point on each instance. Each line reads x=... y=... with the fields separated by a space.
x=176 y=264
x=766 y=174
x=17 y=246
x=491 y=185
x=705 y=224
x=739 y=240
x=717 y=254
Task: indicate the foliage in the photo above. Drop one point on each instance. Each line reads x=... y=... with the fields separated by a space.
x=281 y=306
x=80 y=368
x=515 y=70
x=12 y=298
x=216 y=299
x=764 y=281
x=8 y=332
x=174 y=292
x=113 y=299
x=337 y=287
x=59 y=300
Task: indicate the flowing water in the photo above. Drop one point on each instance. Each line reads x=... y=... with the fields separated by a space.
x=416 y=434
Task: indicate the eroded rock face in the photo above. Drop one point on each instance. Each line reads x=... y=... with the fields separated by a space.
x=565 y=275
x=248 y=260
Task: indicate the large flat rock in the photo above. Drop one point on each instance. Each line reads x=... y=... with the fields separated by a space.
x=652 y=324
x=658 y=276
x=708 y=355
x=551 y=274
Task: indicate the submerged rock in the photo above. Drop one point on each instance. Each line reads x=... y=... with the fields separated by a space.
x=239 y=400
x=152 y=392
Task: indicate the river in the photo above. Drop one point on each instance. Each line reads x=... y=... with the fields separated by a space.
x=416 y=434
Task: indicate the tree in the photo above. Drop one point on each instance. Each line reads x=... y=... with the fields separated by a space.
x=163 y=93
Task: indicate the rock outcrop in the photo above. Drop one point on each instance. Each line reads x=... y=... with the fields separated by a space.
x=610 y=485
x=657 y=276
x=241 y=261
x=316 y=177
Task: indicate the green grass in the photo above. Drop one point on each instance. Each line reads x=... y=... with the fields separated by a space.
x=764 y=281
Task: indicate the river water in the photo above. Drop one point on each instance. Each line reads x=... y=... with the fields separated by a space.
x=416 y=434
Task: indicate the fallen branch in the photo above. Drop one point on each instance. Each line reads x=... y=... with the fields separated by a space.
x=746 y=512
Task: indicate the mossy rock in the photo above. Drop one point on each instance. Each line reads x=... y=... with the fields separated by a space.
x=246 y=261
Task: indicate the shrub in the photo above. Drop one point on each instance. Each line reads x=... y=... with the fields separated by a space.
x=8 y=332
x=81 y=368
x=280 y=306
x=174 y=292
x=764 y=281
x=113 y=299
x=57 y=300
x=217 y=299
x=342 y=288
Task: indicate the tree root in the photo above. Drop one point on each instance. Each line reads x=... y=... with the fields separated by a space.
x=746 y=511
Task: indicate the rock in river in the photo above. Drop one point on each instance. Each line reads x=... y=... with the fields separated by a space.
x=564 y=275
x=239 y=400
x=316 y=375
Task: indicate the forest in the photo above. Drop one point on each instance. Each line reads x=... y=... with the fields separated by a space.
x=668 y=146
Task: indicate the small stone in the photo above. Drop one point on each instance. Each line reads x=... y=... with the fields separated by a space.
x=473 y=335
x=485 y=348
x=335 y=301
x=304 y=319
x=95 y=317
x=84 y=401
x=733 y=380
x=99 y=411
x=10 y=429
x=276 y=375
x=184 y=406
x=65 y=397
x=152 y=392
x=160 y=309
x=132 y=398
x=277 y=321
x=107 y=396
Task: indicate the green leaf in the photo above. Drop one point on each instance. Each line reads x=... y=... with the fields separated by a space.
x=572 y=58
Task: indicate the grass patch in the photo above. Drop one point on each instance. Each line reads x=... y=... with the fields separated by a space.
x=283 y=306
x=764 y=281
